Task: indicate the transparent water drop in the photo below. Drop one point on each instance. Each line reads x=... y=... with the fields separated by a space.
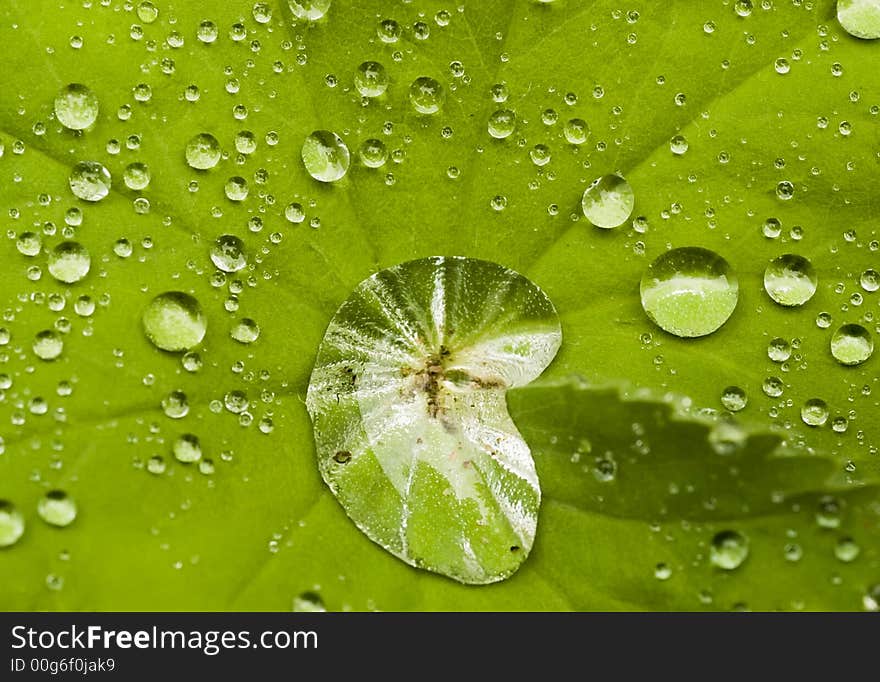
x=325 y=156
x=69 y=262
x=147 y=12
x=871 y=598
x=203 y=151
x=11 y=524
x=785 y=190
x=847 y=550
x=860 y=18
x=371 y=79
x=373 y=153
x=829 y=512
x=814 y=412
x=76 y=107
x=309 y=10
x=852 y=344
x=502 y=123
x=729 y=550
x=175 y=405
x=540 y=155
x=679 y=145
x=779 y=350
x=57 y=508
x=156 y=465
x=576 y=131
x=227 y=253
x=689 y=291
x=48 y=345
x=662 y=571
x=427 y=95
x=388 y=31
x=608 y=201
x=743 y=8
x=187 y=448
x=236 y=188
x=308 y=602
x=294 y=213
x=29 y=243
x=734 y=398
x=90 y=181
x=245 y=331
x=790 y=280
x=870 y=280
x=174 y=321
x=136 y=176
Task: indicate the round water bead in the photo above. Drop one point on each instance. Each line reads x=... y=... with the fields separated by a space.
x=790 y=280
x=187 y=448
x=69 y=262
x=76 y=107
x=608 y=201
x=734 y=398
x=814 y=412
x=860 y=18
x=870 y=280
x=57 y=508
x=729 y=550
x=90 y=181
x=852 y=344
x=48 y=345
x=371 y=79
x=136 y=176
x=689 y=291
x=11 y=524
x=576 y=131
x=426 y=95
x=309 y=10
x=679 y=145
x=245 y=331
x=203 y=151
x=373 y=153
x=325 y=156
x=502 y=123
x=227 y=253
x=174 y=321
x=308 y=602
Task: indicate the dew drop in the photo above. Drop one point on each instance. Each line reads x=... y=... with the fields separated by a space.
x=48 y=345
x=89 y=181
x=860 y=18
x=847 y=550
x=729 y=550
x=790 y=280
x=69 y=262
x=245 y=331
x=57 y=508
x=308 y=602
x=371 y=79
x=174 y=321
x=852 y=344
x=236 y=188
x=294 y=213
x=136 y=176
x=175 y=405
x=187 y=448
x=829 y=512
x=608 y=201
x=76 y=107
x=502 y=123
x=689 y=291
x=871 y=598
x=203 y=151
x=576 y=131
x=734 y=398
x=227 y=253
x=11 y=524
x=779 y=350
x=785 y=190
x=678 y=145
x=426 y=95
x=309 y=10
x=373 y=153
x=814 y=412
x=870 y=280
x=325 y=156
x=29 y=244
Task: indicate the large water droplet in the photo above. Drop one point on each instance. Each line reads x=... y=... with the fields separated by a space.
x=203 y=151
x=227 y=253
x=852 y=344
x=174 y=321
x=608 y=201
x=734 y=398
x=847 y=550
x=502 y=123
x=76 y=107
x=427 y=95
x=90 y=181
x=729 y=550
x=11 y=524
x=689 y=291
x=860 y=18
x=371 y=79
x=187 y=448
x=69 y=262
x=325 y=155
x=57 y=508
x=790 y=280
x=814 y=412
x=245 y=331
x=310 y=10
x=48 y=345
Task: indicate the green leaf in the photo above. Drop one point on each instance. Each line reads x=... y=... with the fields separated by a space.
x=263 y=528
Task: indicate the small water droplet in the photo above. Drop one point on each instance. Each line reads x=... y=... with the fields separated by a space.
x=227 y=253
x=48 y=345
x=689 y=291
x=69 y=262
x=779 y=350
x=187 y=448
x=76 y=107
x=734 y=398
x=852 y=344
x=814 y=412
x=325 y=156
x=502 y=123
x=175 y=405
x=790 y=280
x=576 y=131
x=829 y=512
x=245 y=331
x=308 y=602
x=679 y=145
x=426 y=95
x=57 y=508
x=371 y=79
x=203 y=151
x=174 y=321
x=729 y=550
x=608 y=201
x=90 y=181
x=372 y=153
x=11 y=524
x=847 y=550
